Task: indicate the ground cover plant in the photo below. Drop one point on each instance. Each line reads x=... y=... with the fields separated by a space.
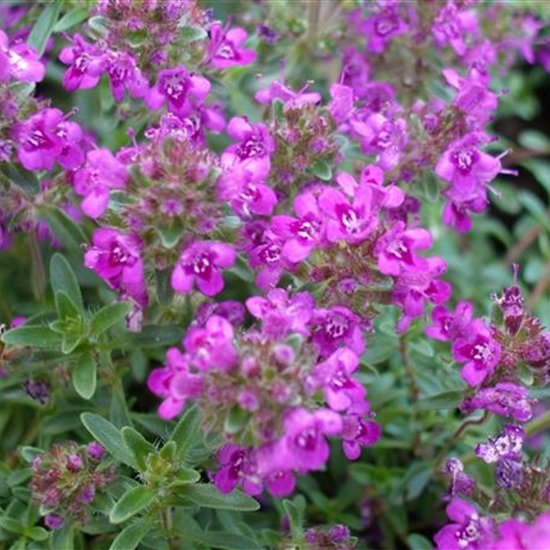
x=274 y=275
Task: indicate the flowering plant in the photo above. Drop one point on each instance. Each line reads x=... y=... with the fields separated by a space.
x=274 y=275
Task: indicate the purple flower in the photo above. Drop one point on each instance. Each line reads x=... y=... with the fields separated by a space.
x=466 y=167
x=451 y=25
x=395 y=249
x=350 y=222
x=237 y=466
x=95 y=450
x=448 y=326
x=181 y=89
x=358 y=432
x=340 y=390
x=200 y=263
x=211 y=346
x=282 y=314
x=461 y=483
x=291 y=99
x=382 y=27
x=20 y=62
x=267 y=256
x=517 y=535
x=175 y=383
x=507 y=445
x=303 y=446
x=87 y=64
x=253 y=151
x=335 y=327
x=468 y=532
x=116 y=258
x=505 y=399
x=125 y=75
x=101 y=173
x=341 y=104
x=509 y=474
x=54 y=521
x=303 y=234
x=225 y=47
x=478 y=350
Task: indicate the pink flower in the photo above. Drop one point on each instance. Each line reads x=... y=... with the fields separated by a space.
x=180 y=89
x=479 y=350
x=94 y=181
x=116 y=258
x=19 y=62
x=448 y=326
x=200 y=264
x=87 y=64
x=225 y=48
x=358 y=432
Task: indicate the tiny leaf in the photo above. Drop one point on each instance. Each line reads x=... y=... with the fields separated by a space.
x=137 y=444
x=84 y=375
x=64 y=279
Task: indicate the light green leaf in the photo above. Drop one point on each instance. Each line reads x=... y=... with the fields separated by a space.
x=104 y=432
x=444 y=400
x=131 y=536
x=139 y=446
x=64 y=279
x=84 y=375
x=210 y=497
x=131 y=503
x=108 y=316
x=187 y=433
x=71 y=18
x=33 y=336
x=43 y=27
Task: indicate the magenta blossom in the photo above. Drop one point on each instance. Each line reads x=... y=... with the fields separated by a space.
x=448 y=326
x=175 y=383
x=225 y=48
x=19 y=62
x=116 y=258
x=94 y=181
x=468 y=531
x=478 y=350
x=180 y=89
x=87 y=63
x=358 y=432
x=453 y=27
x=211 y=347
x=200 y=263
x=125 y=75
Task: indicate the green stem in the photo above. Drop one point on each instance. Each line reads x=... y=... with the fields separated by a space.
x=39 y=276
x=538 y=424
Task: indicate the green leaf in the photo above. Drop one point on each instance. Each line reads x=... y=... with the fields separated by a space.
x=30 y=453
x=294 y=513
x=43 y=27
x=33 y=336
x=210 y=497
x=84 y=375
x=37 y=533
x=170 y=236
x=186 y=434
x=186 y=476
x=131 y=503
x=151 y=336
x=235 y=420
x=68 y=310
x=71 y=19
x=534 y=140
x=108 y=316
x=165 y=292
x=321 y=170
x=25 y=179
x=104 y=432
x=139 y=446
x=190 y=34
x=12 y=525
x=221 y=539
x=64 y=279
x=445 y=400
x=64 y=228
x=419 y=542
x=131 y=536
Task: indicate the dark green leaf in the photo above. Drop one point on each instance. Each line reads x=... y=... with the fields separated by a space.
x=151 y=336
x=132 y=502
x=235 y=420
x=64 y=279
x=64 y=228
x=131 y=536
x=138 y=445
x=43 y=27
x=294 y=513
x=210 y=497
x=321 y=170
x=187 y=433
x=221 y=539
x=170 y=236
x=165 y=292
x=445 y=400
x=30 y=453
x=12 y=525
x=37 y=533
x=33 y=336
x=71 y=18
x=84 y=375
x=108 y=316
x=104 y=432
x=25 y=179
x=191 y=34
x=419 y=542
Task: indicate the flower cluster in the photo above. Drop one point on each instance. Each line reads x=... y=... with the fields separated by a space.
x=66 y=479
x=261 y=388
